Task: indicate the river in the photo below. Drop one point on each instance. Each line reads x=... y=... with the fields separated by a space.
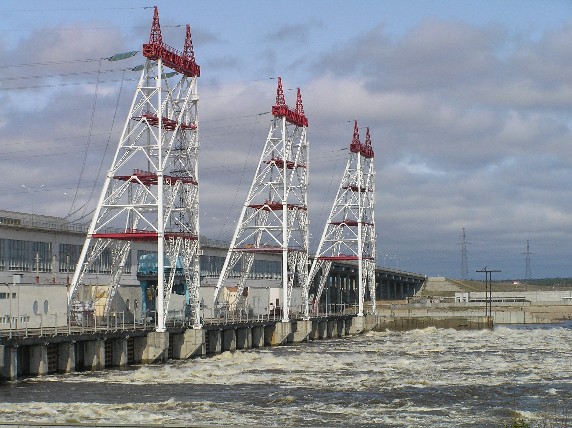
x=420 y=378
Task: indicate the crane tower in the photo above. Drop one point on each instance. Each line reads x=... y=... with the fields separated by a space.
x=349 y=234
x=274 y=216
x=151 y=190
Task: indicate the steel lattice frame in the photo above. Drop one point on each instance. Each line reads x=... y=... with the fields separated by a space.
x=349 y=234
x=274 y=217
x=151 y=190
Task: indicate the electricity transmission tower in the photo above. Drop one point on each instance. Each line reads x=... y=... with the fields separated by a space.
x=274 y=217
x=528 y=254
x=349 y=233
x=151 y=190
x=464 y=256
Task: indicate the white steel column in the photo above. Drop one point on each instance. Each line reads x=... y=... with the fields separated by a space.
x=151 y=190
x=349 y=233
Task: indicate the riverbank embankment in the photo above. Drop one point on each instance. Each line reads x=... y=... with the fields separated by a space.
x=510 y=304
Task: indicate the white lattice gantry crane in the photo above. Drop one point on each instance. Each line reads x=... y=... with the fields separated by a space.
x=274 y=218
x=151 y=190
x=349 y=234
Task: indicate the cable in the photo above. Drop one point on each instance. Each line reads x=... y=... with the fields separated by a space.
x=47 y=76
x=107 y=144
x=241 y=175
x=88 y=142
x=77 y=9
x=63 y=84
x=35 y=64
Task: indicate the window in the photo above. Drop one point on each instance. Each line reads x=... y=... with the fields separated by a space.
x=10 y=221
x=46 y=306
x=26 y=255
x=68 y=257
x=41 y=256
x=18 y=252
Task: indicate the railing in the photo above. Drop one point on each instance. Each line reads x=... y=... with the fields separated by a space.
x=48 y=325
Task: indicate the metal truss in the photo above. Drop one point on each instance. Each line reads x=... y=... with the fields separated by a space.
x=349 y=234
x=151 y=190
x=274 y=217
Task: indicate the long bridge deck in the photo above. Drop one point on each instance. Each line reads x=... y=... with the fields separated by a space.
x=36 y=352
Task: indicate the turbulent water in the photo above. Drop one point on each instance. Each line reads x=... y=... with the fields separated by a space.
x=421 y=378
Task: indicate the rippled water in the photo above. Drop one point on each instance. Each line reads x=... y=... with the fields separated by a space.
x=425 y=378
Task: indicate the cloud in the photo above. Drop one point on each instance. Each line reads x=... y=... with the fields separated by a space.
x=471 y=130
x=470 y=127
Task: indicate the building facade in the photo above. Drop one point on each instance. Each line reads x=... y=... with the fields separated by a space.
x=39 y=254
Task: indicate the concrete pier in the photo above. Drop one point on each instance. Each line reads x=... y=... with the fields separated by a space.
x=190 y=343
x=300 y=331
x=257 y=336
x=66 y=357
x=243 y=338
x=38 y=360
x=119 y=352
x=213 y=341
x=156 y=348
x=9 y=360
x=277 y=334
x=318 y=329
x=229 y=340
x=93 y=354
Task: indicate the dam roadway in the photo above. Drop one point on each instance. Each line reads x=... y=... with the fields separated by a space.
x=62 y=350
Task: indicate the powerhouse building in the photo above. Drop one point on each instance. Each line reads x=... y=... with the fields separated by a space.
x=39 y=254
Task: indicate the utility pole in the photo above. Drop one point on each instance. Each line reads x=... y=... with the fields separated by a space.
x=488 y=290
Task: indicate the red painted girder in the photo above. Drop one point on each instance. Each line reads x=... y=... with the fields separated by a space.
x=166 y=123
x=291 y=116
x=262 y=249
x=171 y=58
x=355 y=188
x=275 y=206
x=367 y=149
x=355 y=146
x=280 y=163
x=343 y=257
x=148 y=178
x=350 y=222
x=183 y=62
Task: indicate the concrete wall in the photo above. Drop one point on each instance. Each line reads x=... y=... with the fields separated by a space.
x=411 y=323
x=558 y=297
x=501 y=314
x=33 y=305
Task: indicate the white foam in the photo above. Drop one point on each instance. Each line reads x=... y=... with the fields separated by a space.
x=391 y=363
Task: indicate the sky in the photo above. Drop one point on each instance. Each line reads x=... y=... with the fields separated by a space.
x=469 y=105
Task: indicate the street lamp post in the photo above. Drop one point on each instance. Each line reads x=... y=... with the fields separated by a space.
x=32 y=192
